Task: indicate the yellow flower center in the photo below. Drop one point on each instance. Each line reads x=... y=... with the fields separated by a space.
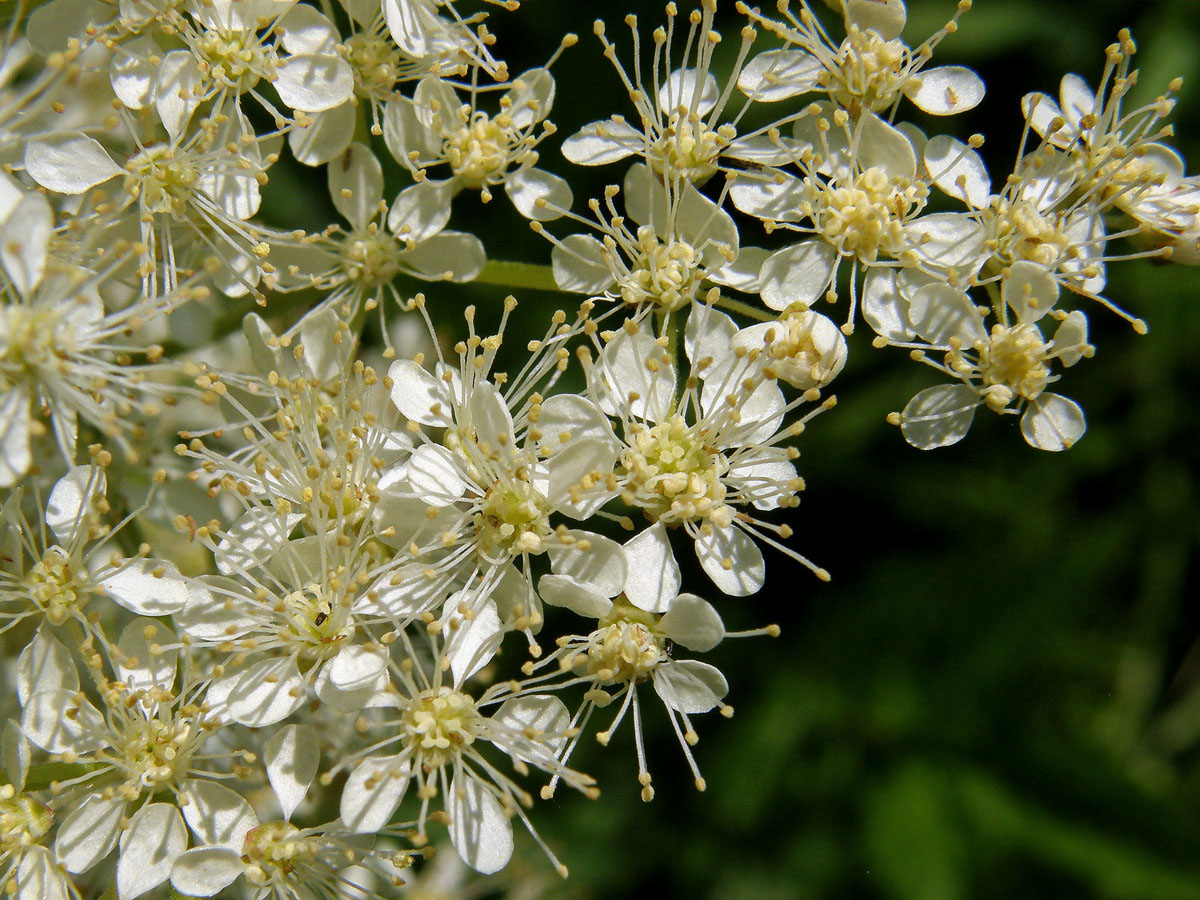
x=237 y=60
x=689 y=148
x=23 y=820
x=376 y=65
x=514 y=518
x=56 y=587
x=665 y=273
x=866 y=217
x=163 y=182
x=273 y=849
x=438 y=726
x=153 y=750
x=371 y=258
x=1013 y=364
x=315 y=621
x=479 y=152
x=674 y=476
x=626 y=647
x=867 y=72
x=1021 y=232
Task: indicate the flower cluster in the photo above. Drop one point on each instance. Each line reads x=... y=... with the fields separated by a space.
x=306 y=587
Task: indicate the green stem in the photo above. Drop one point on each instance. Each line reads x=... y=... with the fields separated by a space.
x=745 y=309
x=518 y=275
x=42 y=775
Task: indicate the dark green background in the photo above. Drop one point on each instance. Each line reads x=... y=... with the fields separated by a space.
x=997 y=695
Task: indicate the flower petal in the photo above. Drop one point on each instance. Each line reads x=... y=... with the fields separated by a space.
x=690 y=686
x=939 y=416
x=292 y=757
x=654 y=579
x=479 y=829
x=732 y=560
x=149 y=847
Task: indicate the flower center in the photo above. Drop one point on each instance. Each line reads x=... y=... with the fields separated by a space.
x=867 y=217
x=236 y=60
x=163 y=182
x=55 y=587
x=154 y=750
x=688 y=148
x=667 y=274
x=1021 y=232
x=513 y=518
x=674 y=476
x=868 y=71
x=33 y=338
x=479 y=151
x=23 y=820
x=376 y=65
x=1013 y=363
x=438 y=726
x=315 y=621
x=273 y=849
x=371 y=258
x=626 y=646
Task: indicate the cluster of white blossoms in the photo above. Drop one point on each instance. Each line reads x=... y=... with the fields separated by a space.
x=259 y=567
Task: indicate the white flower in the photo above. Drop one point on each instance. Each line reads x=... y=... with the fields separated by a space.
x=437 y=734
x=869 y=71
x=482 y=150
x=683 y=244
x=1006 y=368
x=696 y=460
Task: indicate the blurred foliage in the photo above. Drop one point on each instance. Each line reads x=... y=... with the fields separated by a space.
x=998 y=695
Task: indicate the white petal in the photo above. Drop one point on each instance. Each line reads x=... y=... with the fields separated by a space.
x=708 y=334
x=26 y=236
x=689 y=686
x=939 y=416
x=606 y=141
x=16 y=752
x=421 y=211
x=447 y=256
x=693 y=622
x=266 y=692
x=356 y=667
x=15 y=455
x=292 y=757
x=545 y=718
x=884 y=307
x=148 y=587
x=602 y=566
x=744 y=273
x=537 y=194
x=622 y=370
x=217 y=814
x=405 y=133
x=356 y=184
x=684 y=89
x=530 y=97
x=1029 y=290
x=582 y=598
x=373 y=791
x=305 y=30
x=39 y=878
x=579 y=265
x=881 y=145
x=776 y=198
x=71 y=498
x=89 y=832
x=58 y=722
x=488 y=416
x=45 y=664
x=149 y=847
x=887 y=17
x=940 y=312
x=1040 y=111
x=1077 y=99
x=419 y=395
x=327 y=347
x=568 y=417
x=253 y=539
x=798 y=274
x=779 y=74
x=474 y=641
x=177 y=90
x=205 y=871
x=958 y=170
x=1053 y=423
x=132 y=73
x=574 y=462
x=732 y=560
x=140 y=668
x=946 y=90
x=1070 y=340
x=653 y=580
x=434 y=474
x=69 y=164
x=329 y=134
x=949 y=240
x=316 y=82
x=479 y=829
